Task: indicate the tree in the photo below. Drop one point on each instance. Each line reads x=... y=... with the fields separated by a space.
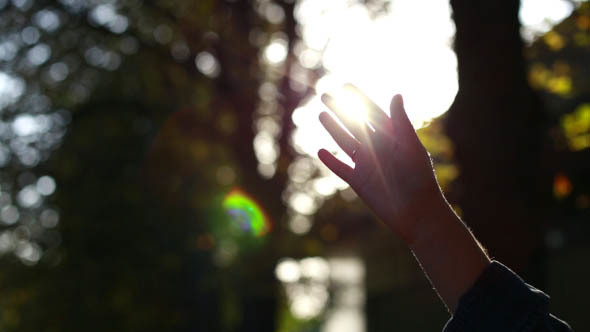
x=497 y=127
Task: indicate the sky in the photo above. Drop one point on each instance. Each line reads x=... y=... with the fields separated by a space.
x=407 y=51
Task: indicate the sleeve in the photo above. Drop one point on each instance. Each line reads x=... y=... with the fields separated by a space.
x=501 y=301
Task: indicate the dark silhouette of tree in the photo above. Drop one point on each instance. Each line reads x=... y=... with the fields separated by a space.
x=497 y=125
x=512 y=144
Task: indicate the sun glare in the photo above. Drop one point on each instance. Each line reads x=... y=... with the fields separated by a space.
x=351 y=104
x=394 y=53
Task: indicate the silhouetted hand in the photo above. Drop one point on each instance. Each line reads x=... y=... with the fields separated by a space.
x=393 y=173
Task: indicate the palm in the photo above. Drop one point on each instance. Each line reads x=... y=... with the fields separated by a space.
x=392 y=171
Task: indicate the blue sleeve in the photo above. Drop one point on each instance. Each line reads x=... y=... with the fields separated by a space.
x=501 y=301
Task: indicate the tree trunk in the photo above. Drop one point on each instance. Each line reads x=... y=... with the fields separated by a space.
x=496 y=125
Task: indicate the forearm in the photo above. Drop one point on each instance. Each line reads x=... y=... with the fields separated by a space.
x=447 y=251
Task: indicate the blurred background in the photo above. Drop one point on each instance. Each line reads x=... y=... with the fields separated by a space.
x=159 y=171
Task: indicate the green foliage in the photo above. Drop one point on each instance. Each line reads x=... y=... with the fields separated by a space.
x=559 y=72
x=576 y=127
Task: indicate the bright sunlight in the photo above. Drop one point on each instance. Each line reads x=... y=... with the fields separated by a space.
x=393 y=53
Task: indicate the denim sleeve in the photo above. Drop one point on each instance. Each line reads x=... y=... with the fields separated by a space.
x=501 y=301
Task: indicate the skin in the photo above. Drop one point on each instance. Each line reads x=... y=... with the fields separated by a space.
x=393 y=175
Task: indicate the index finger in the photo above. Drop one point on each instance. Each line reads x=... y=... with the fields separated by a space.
x=359 y=130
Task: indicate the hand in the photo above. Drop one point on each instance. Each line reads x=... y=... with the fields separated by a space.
x=393 y=175
x=392 y=171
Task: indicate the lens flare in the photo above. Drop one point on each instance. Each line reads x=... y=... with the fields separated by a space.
x=246 y=213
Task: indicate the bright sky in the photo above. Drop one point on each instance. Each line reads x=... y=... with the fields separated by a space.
x=539 y=16
x=406 y=51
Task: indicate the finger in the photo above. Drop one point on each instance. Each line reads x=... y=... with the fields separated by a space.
x=346 y=142
x=399 y=118
x=339 y=168
x=358 y=130
x=376 y=117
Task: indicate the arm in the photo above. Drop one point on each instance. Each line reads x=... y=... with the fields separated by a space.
x=393 y=175
x=448 y=253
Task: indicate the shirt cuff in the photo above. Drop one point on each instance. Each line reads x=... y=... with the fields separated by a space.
x=499 y=301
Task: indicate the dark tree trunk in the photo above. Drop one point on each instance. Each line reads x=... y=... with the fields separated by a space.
x=496 y=125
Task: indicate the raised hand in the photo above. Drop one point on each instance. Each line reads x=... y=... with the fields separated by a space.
x=393 y=175
x=392 y=171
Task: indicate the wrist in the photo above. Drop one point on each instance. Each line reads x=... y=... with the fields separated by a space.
x=448 y=253
x=437 y=223
x=427 y=219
